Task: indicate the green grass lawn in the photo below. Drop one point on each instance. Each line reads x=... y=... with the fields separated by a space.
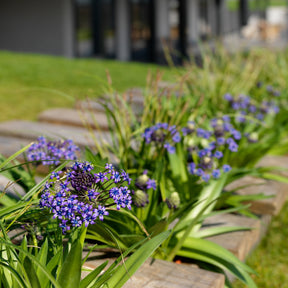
x=270 y=259
x=278 y=3
x=30 y=84
x=255 y=5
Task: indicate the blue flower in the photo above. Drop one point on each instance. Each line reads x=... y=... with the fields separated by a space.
x=216 y=173
x=115 y=175
x=199 y=172
x=218 y=154
x=260 y=116
x=203 y=133
x=109 y=167
x=236 y=105
x=275 y=109
x=101 y=176
x=202 y=153
x=151 y=183
x=226 y=118
x=228 y=97
x=233 y=147
x=205 y=177
x=144 y=183
x=191 y=168
x=226 y=168
x=114 y=193
x=176 y=138
x=220 y=140
x=252 y=108
x=102 y=212
x=125 y=177
x=236 y=134
x=171 y=149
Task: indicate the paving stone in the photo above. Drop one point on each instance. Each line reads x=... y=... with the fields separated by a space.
x=169 y=275
x=132 y=97
x=10 y=145
x=240 y=243
x=275 y=161
x=250 y=186
x=31 y=130
x=135 y=95
x=11 y=188
x=73 y=117
x=90 y=104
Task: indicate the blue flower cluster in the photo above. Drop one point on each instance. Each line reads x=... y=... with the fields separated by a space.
x=143 y=183
x=274 y=92
x=207 y=167
x=244 y=106
x=77 y=196
x=51 y=152
x=207 y=147
x=163 y=134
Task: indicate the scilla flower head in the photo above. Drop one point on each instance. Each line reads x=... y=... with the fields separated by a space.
x=206 y=157
x=48 y=152
x=76 y=196
x=162 y=134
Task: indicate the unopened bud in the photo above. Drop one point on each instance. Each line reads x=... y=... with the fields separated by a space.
x=173 y=201
x=142 y=180
x=205 y=142
x=140 y=198
x=207 y=160
x=253 y=137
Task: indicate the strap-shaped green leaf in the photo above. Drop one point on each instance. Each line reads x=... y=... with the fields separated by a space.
x=34 y=260
x=31 y=273
x=42 y=257
x=124 y=272
x=209 y=232
x=218 y=256
x=12 y=157
x=70 y=273
x=14 y=274
x=92 y=275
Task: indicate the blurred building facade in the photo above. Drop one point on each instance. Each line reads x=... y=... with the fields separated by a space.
x=128 y=30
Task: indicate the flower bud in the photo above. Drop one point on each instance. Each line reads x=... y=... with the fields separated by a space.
x=189 y=141
x=207 y=160
x=191 y=125
x=140 y=198
x=205 y=143
x=253 y=137
x=219 y=122
x=173 y=201
x=142 y=180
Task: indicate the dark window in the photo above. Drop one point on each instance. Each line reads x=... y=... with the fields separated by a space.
x=141 y=25
x=84 y=34
x=95 y=28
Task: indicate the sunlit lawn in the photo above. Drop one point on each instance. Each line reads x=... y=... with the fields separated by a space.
x=255 y=5
x=270 y=258
x=30 y=84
